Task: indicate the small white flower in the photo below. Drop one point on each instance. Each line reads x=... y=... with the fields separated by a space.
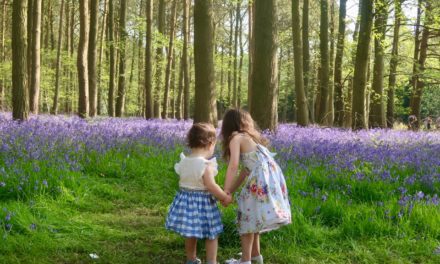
x=94 y=256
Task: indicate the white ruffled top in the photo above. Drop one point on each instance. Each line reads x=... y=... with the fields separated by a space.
x=191 y=170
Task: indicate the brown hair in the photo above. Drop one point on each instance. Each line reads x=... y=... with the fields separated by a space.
x=239 y=121
x=201 y=135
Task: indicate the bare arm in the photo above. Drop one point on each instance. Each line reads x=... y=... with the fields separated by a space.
x=243 y=174
x=212 y=186
x=234 y=159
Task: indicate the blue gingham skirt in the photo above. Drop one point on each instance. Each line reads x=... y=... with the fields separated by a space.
x=194 y=214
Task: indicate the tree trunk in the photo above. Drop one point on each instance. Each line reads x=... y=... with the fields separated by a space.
x=301 y=100
x=20 y=103
x=120 y=99
x=234 y=87
x=159 y=58
x=29 y=43
x=377 y=102
x=205 y=101
x=230 y=72
x=306 y=57
x=179 y=107
x=325 y=63
x=170 y=59
x=393 y=63
x=34 y=92
x=66 y=49
x=331 y=91
x=91 y=60
x=2 y=55
x=185 y=64
x=251 y=41
x=418 y=92
x=338 y=82
x=83 y=83
x=101 y=49
x=58 y=63
x=141 y=90
x=149 y=110
x=240 y=65
x=416 y=45
x=264 y=69
x=359 y=118
x=111 y=43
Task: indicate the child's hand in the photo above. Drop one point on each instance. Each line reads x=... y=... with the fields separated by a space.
x=227 y=201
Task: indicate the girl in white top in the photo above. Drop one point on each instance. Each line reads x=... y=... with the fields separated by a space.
x=194 y=213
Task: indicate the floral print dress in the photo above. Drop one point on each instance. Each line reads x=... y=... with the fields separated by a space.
x=263 y=202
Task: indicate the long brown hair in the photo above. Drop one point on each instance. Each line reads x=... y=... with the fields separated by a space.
x=240 y=121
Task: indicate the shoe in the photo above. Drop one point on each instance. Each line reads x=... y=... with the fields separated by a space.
x=236 y=261
x=196 y=261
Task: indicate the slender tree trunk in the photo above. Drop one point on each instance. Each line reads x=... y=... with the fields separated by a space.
x=420 y=83
x=83 y=83
x=393 y=63
x=141 y=90
x=416 y=45
x=34 y=93
x=159 y=58
x=120 y=99
x=230 y=72
x=73 y=81
x=111 y=40
x=185 y=63
x=264 y=70
x=66 y=49
x=377 y=101
x=30 y=45
x=149 y=110
x=306 y=58
x=331 y=90
x=205 y=102
x=91 y=60
x=58 y=63
x=359 y=116
x=20 y=103
x=338 y=82
x=173 y=86
x=101 y=49
x=234 y=87
x=325 y=63
x=251 y=41
x=179 y=107
x=170 y=59
x=2 y=55
x=301 y=101
x=240 y=65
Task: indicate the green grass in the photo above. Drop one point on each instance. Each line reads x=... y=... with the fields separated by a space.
x=117 y=209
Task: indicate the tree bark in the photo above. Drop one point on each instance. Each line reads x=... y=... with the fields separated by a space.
x=306 y=57
x=120 y=99
x=251 y=41
x=159 y=58
x=20 y=103
x=2 y=55
x=338 y=82
x=416 y=98
x=264 y=69
x=230 y=47
x=301 y=101
x=359 y=118
x=101 y=50
x=393 y=63
x=58 y=63
x=331 y=90
x=170 y=59
x=377 y=101
x=179 y=106
x=235 y=66
x=185 y=63
x=149 y=110
x=111 y=43
x=325 y=64
x=91 y=60
x=83 y=83
x=34 y=93
x=240 y=64
x=205 y=101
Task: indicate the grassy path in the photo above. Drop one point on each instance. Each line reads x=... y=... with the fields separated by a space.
x=118 y=213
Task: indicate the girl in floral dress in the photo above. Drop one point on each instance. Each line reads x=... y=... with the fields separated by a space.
x=263 y=203
x=194 y=213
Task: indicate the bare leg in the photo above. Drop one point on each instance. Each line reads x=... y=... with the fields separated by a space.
x=256 y=245
x=246 y=246
x=190 y=248
x=211 y=250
